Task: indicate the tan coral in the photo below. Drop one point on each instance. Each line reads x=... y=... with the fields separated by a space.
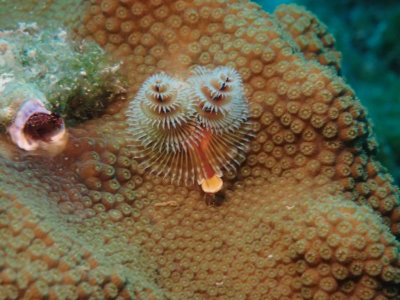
x=309 y=214
x=309 y=34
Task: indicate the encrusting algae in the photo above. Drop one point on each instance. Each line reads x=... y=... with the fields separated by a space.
x=44 y=78
x=308 y=214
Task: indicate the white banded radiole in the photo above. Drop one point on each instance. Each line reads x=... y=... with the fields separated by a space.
x=190 y=131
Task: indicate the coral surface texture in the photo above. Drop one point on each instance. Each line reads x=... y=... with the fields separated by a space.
x=307 y=212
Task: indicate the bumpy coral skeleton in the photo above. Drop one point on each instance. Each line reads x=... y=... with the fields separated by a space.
x=310 y=213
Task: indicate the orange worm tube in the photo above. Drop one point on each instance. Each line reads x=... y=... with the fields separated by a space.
x=212 y=183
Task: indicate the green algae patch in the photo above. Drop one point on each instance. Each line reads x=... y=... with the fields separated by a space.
x=78 y=79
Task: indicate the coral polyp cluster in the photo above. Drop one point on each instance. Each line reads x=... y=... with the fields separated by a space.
x=309 y=214
x=190 y=130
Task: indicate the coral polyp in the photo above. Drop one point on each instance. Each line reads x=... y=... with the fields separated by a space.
x=219 y=98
